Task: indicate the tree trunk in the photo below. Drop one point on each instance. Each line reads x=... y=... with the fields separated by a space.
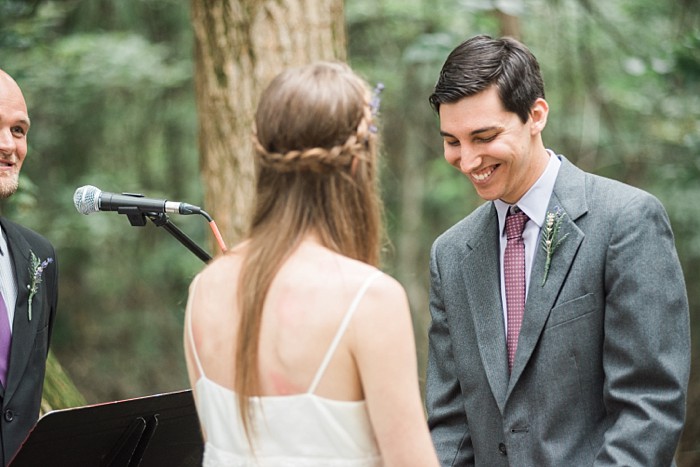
x=411 y=166
x=239 y=47
x=509 y=25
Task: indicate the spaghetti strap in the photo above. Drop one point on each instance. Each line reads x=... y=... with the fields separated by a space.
x=188 y=312
x=341 y=330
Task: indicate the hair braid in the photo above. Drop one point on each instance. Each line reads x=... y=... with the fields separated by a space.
x=319 y=159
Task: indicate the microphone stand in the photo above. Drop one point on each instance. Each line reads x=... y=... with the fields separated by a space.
x=160 y=219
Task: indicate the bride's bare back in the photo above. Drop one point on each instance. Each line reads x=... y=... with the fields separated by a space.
x=303 y=310
x=305 y=305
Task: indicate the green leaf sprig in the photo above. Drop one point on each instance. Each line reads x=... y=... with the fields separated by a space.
x=36 y=269
x=550 y=242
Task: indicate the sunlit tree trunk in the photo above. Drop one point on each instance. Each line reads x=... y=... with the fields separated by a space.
x=239 y=47
x=509 y=25
x=411 y=166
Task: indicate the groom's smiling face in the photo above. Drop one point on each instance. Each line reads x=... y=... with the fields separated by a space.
x=492 y=146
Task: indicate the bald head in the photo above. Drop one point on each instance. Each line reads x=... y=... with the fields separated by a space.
x=10 y=91
x=14 y=125
x=4 y=75
x=7 y=81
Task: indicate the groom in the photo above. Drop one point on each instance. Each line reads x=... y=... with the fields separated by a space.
x=560 y=329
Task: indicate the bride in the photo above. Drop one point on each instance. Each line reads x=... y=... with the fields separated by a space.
x=299 y=350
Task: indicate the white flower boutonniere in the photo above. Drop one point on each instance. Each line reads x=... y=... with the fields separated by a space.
x=36 y=269
x=550 y=242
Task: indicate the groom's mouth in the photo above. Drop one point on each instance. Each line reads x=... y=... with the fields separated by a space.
x=480 y=176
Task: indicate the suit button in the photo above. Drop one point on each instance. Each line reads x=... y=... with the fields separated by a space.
x=9 y=415
x=502 y=449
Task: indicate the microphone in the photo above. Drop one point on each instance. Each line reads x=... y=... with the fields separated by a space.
x=89 y=199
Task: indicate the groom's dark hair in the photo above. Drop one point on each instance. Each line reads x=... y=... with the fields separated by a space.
x=480 y=62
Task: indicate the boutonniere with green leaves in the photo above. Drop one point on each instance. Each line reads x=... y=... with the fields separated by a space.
x=550 y=237
x=36 y=270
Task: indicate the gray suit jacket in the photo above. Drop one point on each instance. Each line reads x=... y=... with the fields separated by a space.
x=21 y=399
x=601 y=371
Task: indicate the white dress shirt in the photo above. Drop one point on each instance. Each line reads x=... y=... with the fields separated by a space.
x=8 y=280
x=533 y=203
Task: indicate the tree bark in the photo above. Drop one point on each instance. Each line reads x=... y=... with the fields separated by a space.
x=239 y=47
x=509 y=25
x=411 y=166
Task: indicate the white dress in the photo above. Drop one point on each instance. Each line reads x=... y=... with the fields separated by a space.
x=297 y=430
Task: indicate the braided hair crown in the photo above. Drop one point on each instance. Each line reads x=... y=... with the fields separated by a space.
x=315 y=118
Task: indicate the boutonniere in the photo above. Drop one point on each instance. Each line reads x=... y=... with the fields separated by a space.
x=36 y=269
x=550 y=240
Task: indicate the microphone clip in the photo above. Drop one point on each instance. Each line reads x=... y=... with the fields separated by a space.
x=135 y=216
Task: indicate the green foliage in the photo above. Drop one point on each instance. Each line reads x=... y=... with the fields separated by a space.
x=59 y=390
x=112 y=107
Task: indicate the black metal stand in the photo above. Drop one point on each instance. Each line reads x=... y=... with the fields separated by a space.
x=161 y=220
x=152 y=431
x=138 y=219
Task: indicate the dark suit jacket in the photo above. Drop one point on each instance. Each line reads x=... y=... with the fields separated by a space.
x=21 y=399
x=601 y=371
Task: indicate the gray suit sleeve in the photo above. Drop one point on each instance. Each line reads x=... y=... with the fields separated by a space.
x=446 y=415
x=647 y=339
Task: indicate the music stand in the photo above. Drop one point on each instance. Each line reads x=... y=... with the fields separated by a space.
x=152 y=431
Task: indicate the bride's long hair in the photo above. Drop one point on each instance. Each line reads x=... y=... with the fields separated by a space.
x=316 y=157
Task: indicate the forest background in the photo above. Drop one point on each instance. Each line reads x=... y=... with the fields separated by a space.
x=110 y=86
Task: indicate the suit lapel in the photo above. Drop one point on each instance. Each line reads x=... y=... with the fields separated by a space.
x=569 y=197
x=480 y=272
x=23 y=330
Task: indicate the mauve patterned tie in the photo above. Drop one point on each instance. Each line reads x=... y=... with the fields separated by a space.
x=5 y=341
x=514 y=272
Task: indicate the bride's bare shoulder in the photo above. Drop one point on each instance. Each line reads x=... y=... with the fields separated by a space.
x=223 y=267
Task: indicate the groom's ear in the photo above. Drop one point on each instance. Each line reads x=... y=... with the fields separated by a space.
x=538 y=114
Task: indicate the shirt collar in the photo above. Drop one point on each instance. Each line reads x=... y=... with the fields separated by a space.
x=534 y=203
x=3 y=242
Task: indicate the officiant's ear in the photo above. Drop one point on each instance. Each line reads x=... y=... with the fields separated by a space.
x=538 y=114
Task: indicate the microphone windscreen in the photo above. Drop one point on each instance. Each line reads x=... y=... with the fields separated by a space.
x=86 y=199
